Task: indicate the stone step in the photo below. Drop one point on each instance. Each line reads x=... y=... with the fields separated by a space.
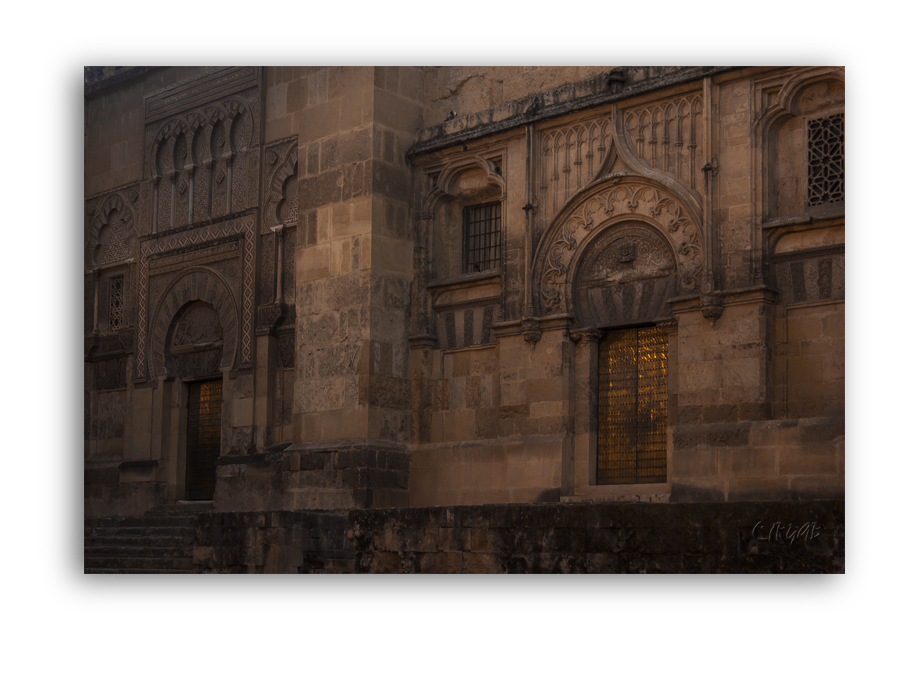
x=150 y=531
x=151 y=552
x=140 y=521
x=140 y=541
x=140 y=563
x=181 y=508
x=137 y=571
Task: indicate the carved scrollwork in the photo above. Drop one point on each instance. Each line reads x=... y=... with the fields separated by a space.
x=611 y=201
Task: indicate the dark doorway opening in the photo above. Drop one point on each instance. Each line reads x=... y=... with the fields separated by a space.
x=204 y=436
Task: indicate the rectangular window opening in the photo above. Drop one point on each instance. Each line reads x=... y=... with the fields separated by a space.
x=116 y=303
x=482 y=238
x=826 y=163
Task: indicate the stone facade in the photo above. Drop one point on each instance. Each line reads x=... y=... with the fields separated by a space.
x=299 y=239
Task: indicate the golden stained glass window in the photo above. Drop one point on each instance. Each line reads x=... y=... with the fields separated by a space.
x=633 y=390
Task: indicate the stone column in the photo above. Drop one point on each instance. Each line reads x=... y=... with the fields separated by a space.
x=95 y=281
x=586 y=405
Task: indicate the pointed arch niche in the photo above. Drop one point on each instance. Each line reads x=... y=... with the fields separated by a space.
x=461 y=185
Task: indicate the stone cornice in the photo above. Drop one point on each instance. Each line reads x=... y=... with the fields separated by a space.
x=595 y=91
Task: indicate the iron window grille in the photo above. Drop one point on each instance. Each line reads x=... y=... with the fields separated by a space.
x=116 y=303
x=482 y=237
x=826 y=161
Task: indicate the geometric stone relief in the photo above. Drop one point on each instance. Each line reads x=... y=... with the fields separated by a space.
x=630 y=198
x=116 y=303
x=668 y=136
x=202 y=147
x=627 y=275
x=244 y=227
x=110 y=228
x=200 y=324
x=825 y=160
x=288 y=273
x=280 y=208
x=201 y=164
x=111 y=374
x=569 y=157
x=285 y=352
x=466 y=324
x=810 y=275
x=218 y=318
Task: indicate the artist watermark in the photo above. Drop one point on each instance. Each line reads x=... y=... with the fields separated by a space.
x=789 y=533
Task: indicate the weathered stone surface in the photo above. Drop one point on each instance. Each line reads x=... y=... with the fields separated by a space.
x=301 y=235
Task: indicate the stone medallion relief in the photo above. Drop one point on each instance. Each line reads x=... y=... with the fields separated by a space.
x=663 y=227
x=625 y=276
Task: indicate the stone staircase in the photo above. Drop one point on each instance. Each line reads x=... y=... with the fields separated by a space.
x=160 y=542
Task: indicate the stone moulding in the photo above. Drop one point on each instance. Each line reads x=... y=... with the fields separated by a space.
x=192 y=237
x=198 y=90
x=195 y=284
x=552 y=103
x=620 y=197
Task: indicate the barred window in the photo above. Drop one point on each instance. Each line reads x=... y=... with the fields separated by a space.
x=116 y=303
x=482 y=237
x=825 y=160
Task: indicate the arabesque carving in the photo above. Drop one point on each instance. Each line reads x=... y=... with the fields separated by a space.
x=190 y=237
x=196 y=284
x=204 y=163
x=616 y=199
x=111 y=231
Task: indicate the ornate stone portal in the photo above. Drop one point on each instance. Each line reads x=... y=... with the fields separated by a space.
x=665 y=236
x=663 y=199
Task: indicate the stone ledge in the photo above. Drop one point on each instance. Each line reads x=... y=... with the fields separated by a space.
x=588 y=93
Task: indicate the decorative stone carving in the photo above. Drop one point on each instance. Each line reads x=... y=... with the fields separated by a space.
x=196 y=284
x=629 y=253
x=243 y=227
x=626 y=275
x=202 y=140
x=476 y=316
x=569 y=157
x=278 y=230
x=199 y=325
x=668 y=136
x=712 y=306
x=816 y=274
x=623 y=199
x=111 y=229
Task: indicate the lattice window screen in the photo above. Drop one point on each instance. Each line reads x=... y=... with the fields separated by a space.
x=826 y=160
x=116 y=303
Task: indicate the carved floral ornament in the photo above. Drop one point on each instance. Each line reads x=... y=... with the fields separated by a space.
x=620 y=199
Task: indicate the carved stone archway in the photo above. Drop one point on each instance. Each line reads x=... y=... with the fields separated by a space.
x=618 y=198
x=195 y=284
x=624 y=276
